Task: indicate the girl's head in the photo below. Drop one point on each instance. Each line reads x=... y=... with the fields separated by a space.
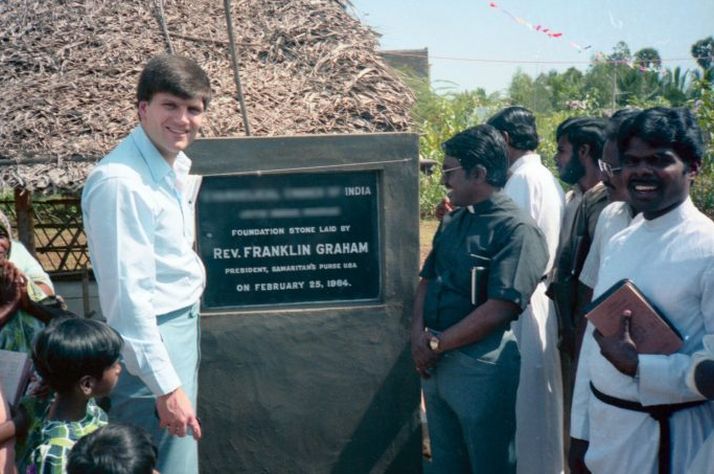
x=78 y=353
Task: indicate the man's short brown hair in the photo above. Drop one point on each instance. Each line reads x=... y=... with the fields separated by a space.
x=176 y=75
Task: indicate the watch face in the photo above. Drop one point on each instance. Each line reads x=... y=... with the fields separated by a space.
x=434 y=343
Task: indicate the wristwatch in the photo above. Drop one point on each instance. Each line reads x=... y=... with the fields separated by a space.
x=434 y=343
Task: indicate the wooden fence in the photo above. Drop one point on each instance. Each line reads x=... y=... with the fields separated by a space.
x=56 y=237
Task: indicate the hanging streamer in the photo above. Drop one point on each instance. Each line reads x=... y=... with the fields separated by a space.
x=539 y=28
x=599 y=57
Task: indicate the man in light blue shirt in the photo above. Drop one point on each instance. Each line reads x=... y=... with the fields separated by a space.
x=139 y=229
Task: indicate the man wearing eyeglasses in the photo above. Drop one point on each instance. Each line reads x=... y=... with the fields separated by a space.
x=618 y=212
x=633 y=411
x=539 y=408
x=615 y=217
x=487 y=258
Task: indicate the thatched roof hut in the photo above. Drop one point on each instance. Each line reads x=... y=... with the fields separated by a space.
x=68 y=70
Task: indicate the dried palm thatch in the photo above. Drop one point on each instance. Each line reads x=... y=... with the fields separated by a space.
x=68 y=70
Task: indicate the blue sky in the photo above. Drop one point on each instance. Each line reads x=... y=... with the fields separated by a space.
x=474 y=45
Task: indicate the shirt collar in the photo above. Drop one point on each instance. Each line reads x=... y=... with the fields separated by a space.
x=670 y=219
x=574 y=193
x=482 y=206
x=523 y=160
x=158 y=167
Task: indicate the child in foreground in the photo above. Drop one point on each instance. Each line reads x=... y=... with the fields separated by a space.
x=113 y=449
x=79 y=360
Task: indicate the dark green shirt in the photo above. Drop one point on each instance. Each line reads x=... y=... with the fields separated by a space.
x=572 y=255
x=496 y=234
x=569 y=263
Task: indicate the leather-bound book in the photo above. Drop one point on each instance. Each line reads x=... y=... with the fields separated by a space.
x=649 y=328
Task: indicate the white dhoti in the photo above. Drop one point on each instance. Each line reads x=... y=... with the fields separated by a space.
x=539 y=401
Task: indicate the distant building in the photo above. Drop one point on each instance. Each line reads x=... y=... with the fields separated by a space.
x=413 y=61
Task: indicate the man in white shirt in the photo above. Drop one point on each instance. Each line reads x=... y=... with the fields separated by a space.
x=539 y=404
x=616 y=216
x=640 y=415
x=700 y=378
x=139 y=228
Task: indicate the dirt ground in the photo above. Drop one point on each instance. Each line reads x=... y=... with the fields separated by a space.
x=426 y=232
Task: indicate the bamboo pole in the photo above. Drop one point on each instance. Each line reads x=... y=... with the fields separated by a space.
x=234 y=60
x=164 y=28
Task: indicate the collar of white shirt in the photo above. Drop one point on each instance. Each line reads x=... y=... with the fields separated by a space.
x=524 y=160
x=158 y=167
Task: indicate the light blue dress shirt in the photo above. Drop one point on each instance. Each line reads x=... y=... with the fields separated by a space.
x=139 y=227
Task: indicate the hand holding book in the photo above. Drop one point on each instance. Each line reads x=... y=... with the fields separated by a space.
x=650 y=331
x=619 y=348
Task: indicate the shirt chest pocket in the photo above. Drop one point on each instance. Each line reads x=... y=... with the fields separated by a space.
x=469 y=275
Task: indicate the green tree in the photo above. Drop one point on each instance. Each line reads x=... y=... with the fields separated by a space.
x=703 y=52
x=675 y=86
x=703 y=106
x=567 y=87
x=620 y=53
x=648 y=58
x=520 y=91
x=437 y=115
x=542 y=100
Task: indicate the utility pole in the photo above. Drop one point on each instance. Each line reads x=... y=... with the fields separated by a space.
x=614 y=87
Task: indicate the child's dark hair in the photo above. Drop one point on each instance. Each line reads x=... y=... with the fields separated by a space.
x=70 y=348
x=113 y=449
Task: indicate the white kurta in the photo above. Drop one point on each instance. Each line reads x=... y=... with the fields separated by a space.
x=534 y=189
x=704 y=461
x=671 y=259
x=539 y=403
x=613 y=218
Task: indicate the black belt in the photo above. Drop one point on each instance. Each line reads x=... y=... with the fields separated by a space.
x=661 y=413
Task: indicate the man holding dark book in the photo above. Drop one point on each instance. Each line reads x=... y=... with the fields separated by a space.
x=462 y=344
x=640 y=415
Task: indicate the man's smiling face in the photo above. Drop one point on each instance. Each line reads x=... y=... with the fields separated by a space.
x=171 y=122
x=657 y=179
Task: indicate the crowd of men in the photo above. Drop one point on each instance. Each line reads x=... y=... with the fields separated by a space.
x=514 y=375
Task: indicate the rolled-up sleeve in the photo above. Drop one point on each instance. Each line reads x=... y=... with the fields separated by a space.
x=119 y=224
x=706 y=354
x=518 y=266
